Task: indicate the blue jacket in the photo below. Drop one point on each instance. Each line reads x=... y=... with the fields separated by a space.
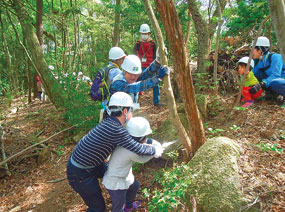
x=148 y=79
x=273 y=72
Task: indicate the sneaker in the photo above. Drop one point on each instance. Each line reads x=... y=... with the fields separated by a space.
x=141 y=93
x=248 y=103
x=160 y=105
x=135 y=205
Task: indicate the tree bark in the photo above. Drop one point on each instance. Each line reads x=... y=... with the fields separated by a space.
x=51 y=86
x=11 y=72
x=174 y=35
x=205 y=32
x=217 y=48
x=39 y=23
x=185 y=140
x=116 y=32
x=277 y=12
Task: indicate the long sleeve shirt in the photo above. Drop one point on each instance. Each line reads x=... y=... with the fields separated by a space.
x=145 y=81
x=97 y=145
x=273 y=72
x=119 y=173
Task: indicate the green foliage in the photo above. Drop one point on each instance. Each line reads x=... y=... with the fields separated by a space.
x=269 y=147
x=80 y=109
x=137 y=167
x=246 y=16
x=172 y=193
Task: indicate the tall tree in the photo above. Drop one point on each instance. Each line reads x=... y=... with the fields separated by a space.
x=174 y=35
x=116 y=32
x=185 y=140
x=51 y=86
x=277 y=12
x=205 y=31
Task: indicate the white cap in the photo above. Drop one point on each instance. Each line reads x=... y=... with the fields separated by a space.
x=138 y=127
x=262 y=41
x=116 y=53
x=121 y=99
x=245 y=60
x=144 y=28
x=132 y=64
x=80 y=73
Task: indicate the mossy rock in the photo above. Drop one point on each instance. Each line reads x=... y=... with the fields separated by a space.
x=214 y=178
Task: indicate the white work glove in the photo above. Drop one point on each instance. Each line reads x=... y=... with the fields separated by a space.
x=158 y=151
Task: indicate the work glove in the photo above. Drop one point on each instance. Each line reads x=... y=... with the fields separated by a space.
x=162 y=72
x=255 y=88
x=158 y=151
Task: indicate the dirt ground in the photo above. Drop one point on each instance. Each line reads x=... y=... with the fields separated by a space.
x=38 y=184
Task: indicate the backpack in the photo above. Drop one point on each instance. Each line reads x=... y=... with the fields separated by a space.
x=100 y=88
x=269 y=60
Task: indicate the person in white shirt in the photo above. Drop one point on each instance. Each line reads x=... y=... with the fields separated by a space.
x=119 y=179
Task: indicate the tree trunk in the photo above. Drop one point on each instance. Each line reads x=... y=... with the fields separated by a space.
x=203 y=37
x=116 y=32
x=217 y=48
x=185 y=140
x=205 y=33
x=11 y=74
x=174 y=35
x=277 y=12
x=51 y=86
x=39 y=23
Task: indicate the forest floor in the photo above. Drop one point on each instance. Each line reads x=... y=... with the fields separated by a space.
x=31 y=186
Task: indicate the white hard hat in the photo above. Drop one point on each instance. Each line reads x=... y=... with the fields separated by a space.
x=121 y=99
x=245 y=60
x=138 y=127
x=262 y=41
x=116 y=53
x=144 y=28
x=132 y=64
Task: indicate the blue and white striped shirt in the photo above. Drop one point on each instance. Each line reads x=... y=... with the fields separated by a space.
x=97 y=145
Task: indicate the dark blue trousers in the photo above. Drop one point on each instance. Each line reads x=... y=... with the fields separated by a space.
x=121 y=197
x=87 y=186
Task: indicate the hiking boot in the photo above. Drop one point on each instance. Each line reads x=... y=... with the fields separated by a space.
x=160 y=105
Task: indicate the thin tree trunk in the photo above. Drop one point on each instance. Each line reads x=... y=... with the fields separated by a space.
x=116 y=32
x=174 y=35
x=217 y=48
x=203 y=38
x=188 y=28
x=167 y=84
x=11 y=74
x=277 y=11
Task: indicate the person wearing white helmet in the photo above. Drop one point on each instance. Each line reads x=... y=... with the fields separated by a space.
x=119 y=179
x=87 y=161
x=250 y=80
x=133 y=80
x=103 y=78
x=145 y=49
x=269 y=69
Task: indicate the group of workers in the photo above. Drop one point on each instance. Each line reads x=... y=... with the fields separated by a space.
x=118 y=85
x=266 y=73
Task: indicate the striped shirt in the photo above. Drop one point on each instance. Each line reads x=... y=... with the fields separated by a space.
x=97 y=145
